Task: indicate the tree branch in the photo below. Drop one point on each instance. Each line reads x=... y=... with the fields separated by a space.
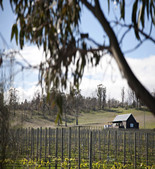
x=139 y=30
x=88 y=5
x=124 y=35
x=93 y=41
x=126 y=71
x=137 y=46
x=101 y=48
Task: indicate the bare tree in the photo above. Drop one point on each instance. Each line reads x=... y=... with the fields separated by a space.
x=13 y=99
x=123 y=96
x=101 y=94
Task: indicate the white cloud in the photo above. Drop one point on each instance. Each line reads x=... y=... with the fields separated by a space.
x=144 y=69
x=32 y=54
x=106 y=73
x=28 y=93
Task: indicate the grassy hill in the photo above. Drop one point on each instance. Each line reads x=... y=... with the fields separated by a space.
x=37 y=119
x=103 y=117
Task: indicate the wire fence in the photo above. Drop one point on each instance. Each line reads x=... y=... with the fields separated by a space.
x=75 y=146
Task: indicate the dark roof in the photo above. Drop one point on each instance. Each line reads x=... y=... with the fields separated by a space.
x=123 y=117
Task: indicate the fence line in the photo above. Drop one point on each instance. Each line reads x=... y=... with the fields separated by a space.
x=85 y=143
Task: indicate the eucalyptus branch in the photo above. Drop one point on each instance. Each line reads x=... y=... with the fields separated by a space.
x=136 y=47
x=124 y=35
x=90 y=39
x=147 y=36
x=92 y=50
x=150 y=29
x=88 y=5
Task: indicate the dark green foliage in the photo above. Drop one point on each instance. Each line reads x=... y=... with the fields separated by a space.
x=52 y=24
x=14 y=32
x=139 y=9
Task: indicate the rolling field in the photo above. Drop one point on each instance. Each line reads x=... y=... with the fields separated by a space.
x=145 y=118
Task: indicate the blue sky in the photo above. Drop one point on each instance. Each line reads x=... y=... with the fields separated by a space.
x=88 y=24
x=142 y=60
x=91 y=25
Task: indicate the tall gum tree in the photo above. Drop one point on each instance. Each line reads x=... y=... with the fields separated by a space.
x=55 y=26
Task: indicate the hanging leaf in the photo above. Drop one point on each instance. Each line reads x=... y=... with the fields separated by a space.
x=143 y=14
x=1 y=4
x=1 y=61
x=139 y=16
x=134 y=19
x=147 y=8
x=122 y=6
x=108 y=6
x=14 y=32
x=134 y=11
x=21 y=39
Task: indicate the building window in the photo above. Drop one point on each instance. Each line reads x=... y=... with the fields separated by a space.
x=131 y=125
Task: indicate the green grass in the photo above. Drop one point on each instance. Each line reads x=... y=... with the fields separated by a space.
x=90 y=118
x=103 y=117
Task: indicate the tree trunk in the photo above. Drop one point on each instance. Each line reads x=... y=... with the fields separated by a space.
x=124 y=68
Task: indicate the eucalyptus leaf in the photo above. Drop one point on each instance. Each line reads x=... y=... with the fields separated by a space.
x=122 y=6
x=14 y=32
x=1 y=4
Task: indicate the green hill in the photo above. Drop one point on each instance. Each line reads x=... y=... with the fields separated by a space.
x=37 y=119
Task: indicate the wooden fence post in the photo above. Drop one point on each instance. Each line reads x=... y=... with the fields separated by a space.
x=22 y=140
x=40 y=143
x=37 y=142
x=69 y=147
x=62 y=145
x=99 y=144
x=79 y=155
x=146 y=137
x=29 y=137
x=45 y=144
x=93 y=145
x=26 y=143
x=124 y=147
x=32 y=143
x=49 y=144
x=56 y=146
x=88 y=135
x=90 y=150
x=138 y=142
x=135 y=150
x=108 y=145
x=116 y=146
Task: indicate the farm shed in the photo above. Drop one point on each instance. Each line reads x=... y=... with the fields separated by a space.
x=125 y=121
